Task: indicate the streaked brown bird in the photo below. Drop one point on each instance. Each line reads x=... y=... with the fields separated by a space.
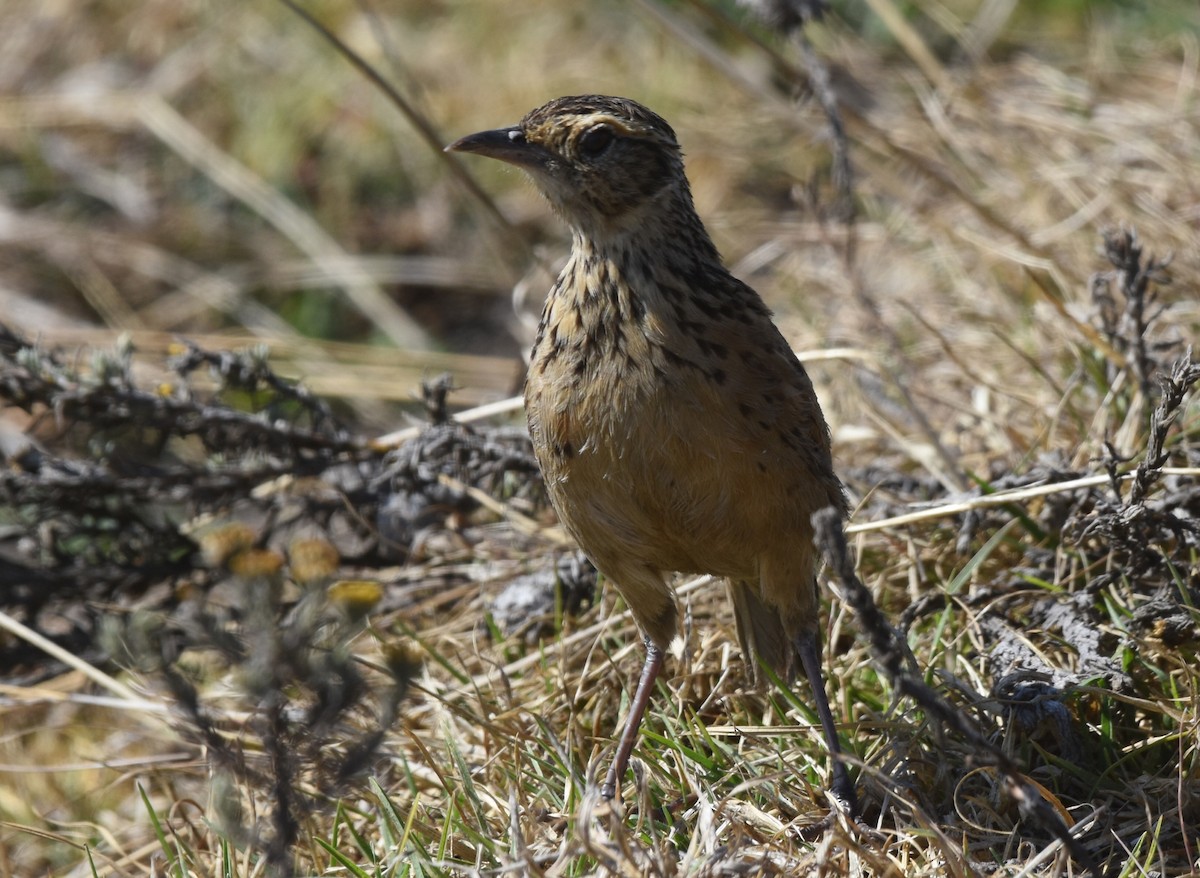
x=675 y=427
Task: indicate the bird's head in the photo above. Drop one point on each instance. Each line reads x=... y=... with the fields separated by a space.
x=603 y=162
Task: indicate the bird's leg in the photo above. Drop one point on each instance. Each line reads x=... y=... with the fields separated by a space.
x=840 y=784
x=637 y=708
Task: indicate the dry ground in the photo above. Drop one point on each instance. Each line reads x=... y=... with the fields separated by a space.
x=286 y=648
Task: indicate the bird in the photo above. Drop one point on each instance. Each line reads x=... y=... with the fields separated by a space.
x=675 y=428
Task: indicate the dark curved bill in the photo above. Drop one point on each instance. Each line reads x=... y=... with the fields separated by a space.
x=505 y=144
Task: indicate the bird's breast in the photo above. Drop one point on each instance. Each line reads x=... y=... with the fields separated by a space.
x=638 y=467
x=672 y=429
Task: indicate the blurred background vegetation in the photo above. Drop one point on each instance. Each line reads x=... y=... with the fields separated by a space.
x=156 y=156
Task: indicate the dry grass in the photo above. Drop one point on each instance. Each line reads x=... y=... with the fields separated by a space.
x=219 y=172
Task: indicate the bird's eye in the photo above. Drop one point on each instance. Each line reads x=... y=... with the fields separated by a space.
x=595 y=140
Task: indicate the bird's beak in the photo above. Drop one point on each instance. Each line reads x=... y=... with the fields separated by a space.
x=506 y=144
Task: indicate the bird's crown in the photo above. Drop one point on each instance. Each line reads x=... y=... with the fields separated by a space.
x=582 y=127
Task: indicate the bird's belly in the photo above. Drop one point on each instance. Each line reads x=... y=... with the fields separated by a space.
x=655 y=522
x=657 y=481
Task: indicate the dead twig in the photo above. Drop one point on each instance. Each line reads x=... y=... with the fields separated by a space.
x=890 y=654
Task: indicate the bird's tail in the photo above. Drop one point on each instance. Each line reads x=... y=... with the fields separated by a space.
x=761 y=631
